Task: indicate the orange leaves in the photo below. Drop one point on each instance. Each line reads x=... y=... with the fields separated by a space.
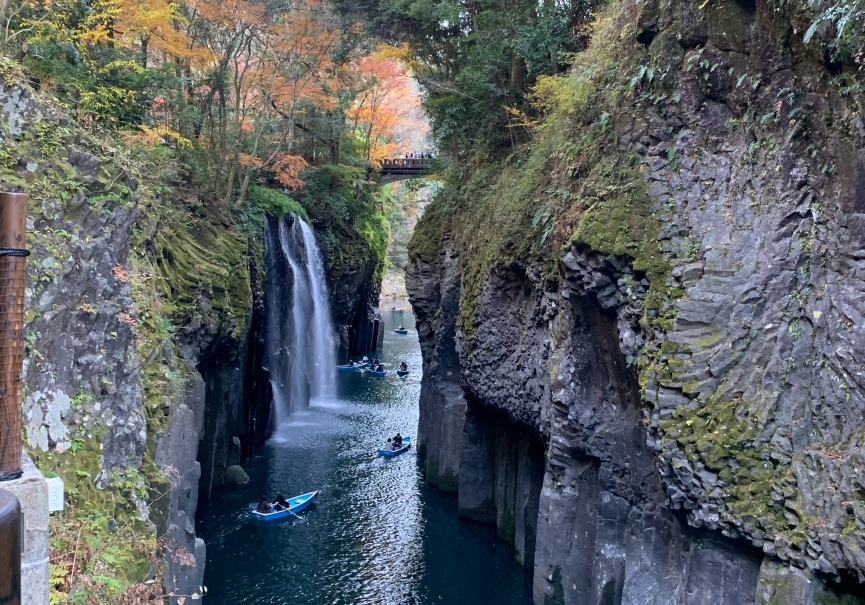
x=287 y=169
x=301 y=48
x=229 y=12
x=246 y=160
x=386 y=110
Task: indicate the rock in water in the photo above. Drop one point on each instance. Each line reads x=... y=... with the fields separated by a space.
x=235 y=474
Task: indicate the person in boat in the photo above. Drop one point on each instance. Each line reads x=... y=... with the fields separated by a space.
x=397 y=441
x=403 y=367
x=263 y=506
x=379 y=368
x=365 y=359
x=400 y=327
x=388 y=447
x=280 y=503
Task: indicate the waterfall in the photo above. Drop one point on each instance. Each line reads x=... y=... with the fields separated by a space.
x=301 y=355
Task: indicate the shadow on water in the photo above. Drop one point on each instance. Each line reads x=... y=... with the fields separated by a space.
x=377 y=534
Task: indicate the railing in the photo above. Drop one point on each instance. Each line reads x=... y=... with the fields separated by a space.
x=404 y=165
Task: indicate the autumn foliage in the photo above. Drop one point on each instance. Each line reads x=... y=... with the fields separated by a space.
x=385 y=112
x=255 y=91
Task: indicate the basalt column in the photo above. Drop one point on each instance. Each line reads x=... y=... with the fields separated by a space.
x=500 y=477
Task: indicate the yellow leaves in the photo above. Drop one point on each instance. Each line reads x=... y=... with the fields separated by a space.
x=399 y=54
x=568 y=93
x=102 y=100
x=157 y=25
x=159 y=135
x=518 y=118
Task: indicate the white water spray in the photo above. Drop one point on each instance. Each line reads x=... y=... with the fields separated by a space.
x=301 y=355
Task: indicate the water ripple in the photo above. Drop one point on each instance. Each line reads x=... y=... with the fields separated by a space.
x=377 y=535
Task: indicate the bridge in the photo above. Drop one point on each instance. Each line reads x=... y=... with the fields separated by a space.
x=400 y=169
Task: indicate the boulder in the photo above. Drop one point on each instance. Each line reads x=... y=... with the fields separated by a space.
x=235 y=474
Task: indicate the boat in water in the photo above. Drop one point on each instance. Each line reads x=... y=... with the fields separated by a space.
x=295 y=505
x=402 y=372
x=350 y=367
x=402 y=332
x=375 y=373
x=406 y=444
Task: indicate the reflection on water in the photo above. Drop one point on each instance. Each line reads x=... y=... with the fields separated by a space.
x=377 y=534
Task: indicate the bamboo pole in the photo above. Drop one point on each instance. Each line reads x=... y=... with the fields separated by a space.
x=13 y=242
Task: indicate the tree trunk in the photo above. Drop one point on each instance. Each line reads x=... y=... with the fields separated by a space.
x=518 y=74
x=231 y=172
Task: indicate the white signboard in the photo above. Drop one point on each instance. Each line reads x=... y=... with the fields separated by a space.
x=55 y=493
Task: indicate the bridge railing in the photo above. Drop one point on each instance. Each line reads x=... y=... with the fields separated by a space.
x=418 y=164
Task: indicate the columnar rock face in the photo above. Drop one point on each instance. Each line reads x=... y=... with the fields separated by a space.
x=701 y=446
x=105 y=403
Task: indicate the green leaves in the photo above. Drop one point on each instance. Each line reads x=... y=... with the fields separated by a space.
x=275 y=203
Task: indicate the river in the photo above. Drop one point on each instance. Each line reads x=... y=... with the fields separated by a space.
x=377 y=534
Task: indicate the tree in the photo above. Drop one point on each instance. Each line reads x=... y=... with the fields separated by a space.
x=385 y=108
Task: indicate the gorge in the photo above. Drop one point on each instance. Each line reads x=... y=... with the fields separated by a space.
x=637 y=297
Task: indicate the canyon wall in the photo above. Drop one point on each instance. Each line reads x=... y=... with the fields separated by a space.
x=135 y=334
x=144 y=363
x=659 y=398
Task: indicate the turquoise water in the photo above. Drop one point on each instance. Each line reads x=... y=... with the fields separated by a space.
x=378 y=534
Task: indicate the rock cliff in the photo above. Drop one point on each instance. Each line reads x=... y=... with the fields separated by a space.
x=144 y=373
x=641 y=337
x=137 y=315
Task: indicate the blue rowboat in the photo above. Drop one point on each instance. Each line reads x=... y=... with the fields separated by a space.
x=374 y=373
x=401 y=332
x=295 y=505
x=402 y=372
x=406 y=443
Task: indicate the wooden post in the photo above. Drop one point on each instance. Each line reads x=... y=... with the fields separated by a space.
x=13 y=242
x=10 y=549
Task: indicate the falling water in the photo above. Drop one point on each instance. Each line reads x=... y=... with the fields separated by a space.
x=301 y=355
